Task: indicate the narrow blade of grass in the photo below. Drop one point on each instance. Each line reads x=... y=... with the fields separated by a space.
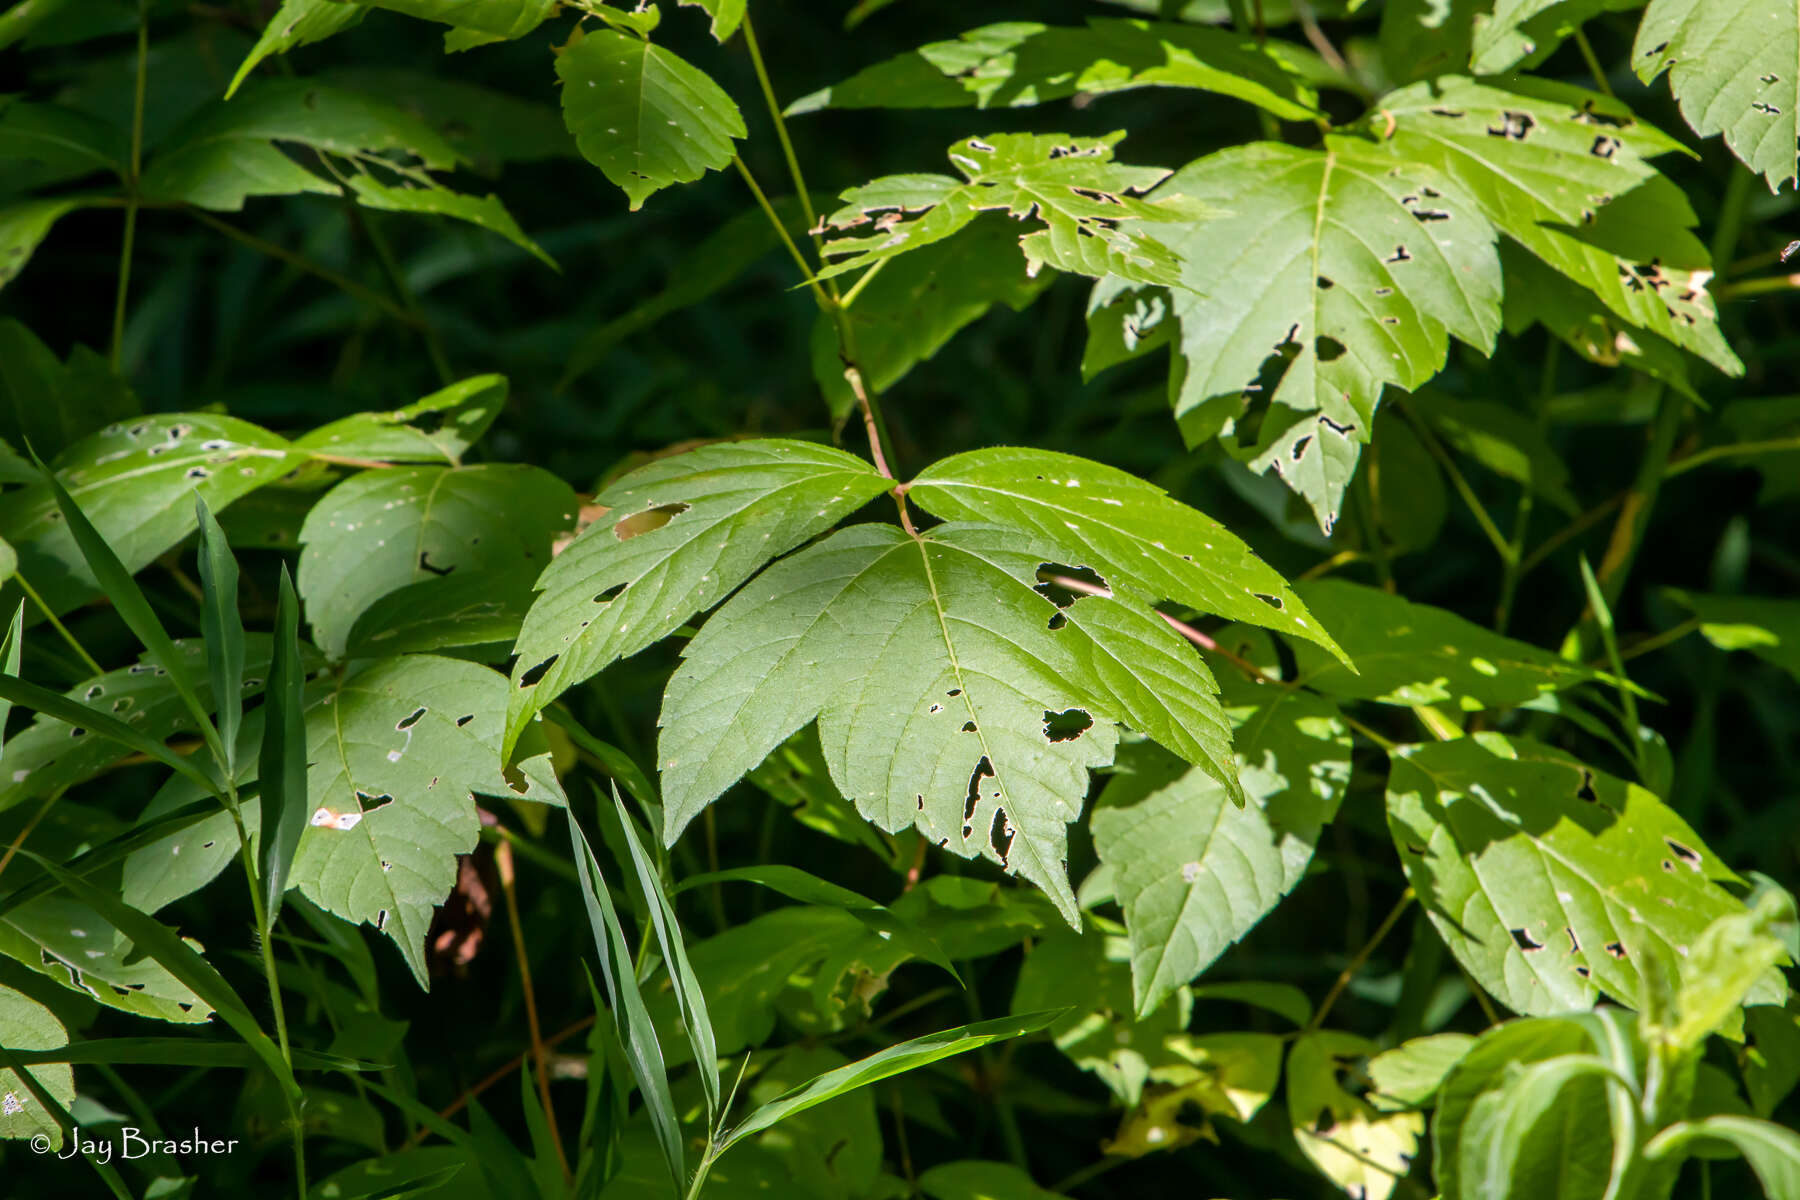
x=222 y=628
x=281 y=765
x=73 y=712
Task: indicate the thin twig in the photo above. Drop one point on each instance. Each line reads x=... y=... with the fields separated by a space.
x=495 y=1076
x=1356 y=963
x=503 y=862
x=1593 y=63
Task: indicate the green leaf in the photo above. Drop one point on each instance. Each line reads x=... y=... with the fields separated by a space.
x=47 y=143
x=282 y=762
x=1767 y=627
x=223 y=629
x=438 y=429
x=833 y=1150
x=686 y=986
x=381 y=531
x=917 y=304
x=486 y=212
x=1193 y=871
x=645 y=116
x=947 y=693
x=1731 y=67
x=1543 y=1133
x=1529 y=31
x=1414 y=654
x=1409 y=1075
x=20 y=20
x=488 y=127
x=1422 y=39
x=975 y=1180
x=1348 y=1140
x=1771 y=1060
x=631 y=1019
x=1548 y=880
x=1501 y=438
x=906 y=1056
x=682 y=534
x=1563 y=172
x=398 y=751
x=135 y=481
x=171 y=952
x=1351 y=272
x=1732 y=959
x=176 y=1052
x=796 y=775
x=494 y=19
x=726 y=15
x=1125 y=528
x=1069 y=184
x=1773 y=1150
x=46 y=404
x=1023 y=62
x=11 y=647
x=23 y=226
x=296 y=23
x=27 y=1025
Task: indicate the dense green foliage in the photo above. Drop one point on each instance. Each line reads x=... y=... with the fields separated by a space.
x=1214 y=615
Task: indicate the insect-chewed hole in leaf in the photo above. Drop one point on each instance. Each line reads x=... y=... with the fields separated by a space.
x=1616 y=949
x=1687 y=855
x=1514 y=126
x=1325 y=284
x=197 y=473
x=649 y=519
x=969 y=727
x=983 y=770
x=381 y=920
x=369 y=803
x=1057 y=621
x=610 y=594
x=1062 y=584
x=531 y=677
x=1067 y=725
x=425 y=564
x=514 y=780
x=1523 y=939
x=1587 y=115
x=1574 y=942
x=1605 y=146
x=1259 y=391
x=1586 y=790
x=1400 y=255
x=1325 y=1122
x=411 y=719
x=1328 y=349
x=464 y=719
x=1273 y=602
x=1000 y=835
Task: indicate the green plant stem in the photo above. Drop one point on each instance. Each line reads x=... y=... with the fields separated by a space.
x=1634 y=511
x=131 y=184
x=88 y=659
x=1657 y=641
x=700 y=1172
x=1756 y=287
x=1593 y=63
x=1700 y=458
x=826 y=303
x=384 y=254
x=1513 y=569
x=1356 y=962
x=856 y=288
x=1731 y=217
x=299 y=261
x=781 y=131
x=1356 y=726
x=503 y=865
x=1573 y=529
x=1501 y=545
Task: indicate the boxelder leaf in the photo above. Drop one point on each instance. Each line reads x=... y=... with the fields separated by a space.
x=1548 y=880
x=223 y=628
x=1353 y=272
x=398 y=751
x=1564 y=173
x=281 y=764
x=1732 y=68
x=645 y=116
x=1529 y=31
x=486 y=212
x=1088 y=204
x=1193 y=871
x=1123 y=527
x=682 y=534
x=135 y=481
x=726 y=15
x=438 y=429
x=1022 y=62
x=380 y=531
x=1355 y=1146
x=906 y=1056
x=1409 y=1075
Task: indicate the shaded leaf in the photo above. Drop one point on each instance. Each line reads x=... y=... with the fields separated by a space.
x=27 y=1025
x=645 y=116
x=493 y=19
x=222 y=630
x=1529 y=31
x=48 y=143
x=1023 y=62
x=23 y=226
x=974 y=1180
x=1772 y=1150
x=1767 y=627
x=439 y=428
x=296 y=23
x=1500 y=438
x=282 y=760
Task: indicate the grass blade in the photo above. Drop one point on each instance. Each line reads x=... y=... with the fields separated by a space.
x=179 y=959
x=221 y=627
x=72 y=712
x=688 y=994
x=128 y=601
x=636 y=1033
x=281 y=764
x=181 y=1052
x=112 y=850
x=9 y=663
x=906 y=1056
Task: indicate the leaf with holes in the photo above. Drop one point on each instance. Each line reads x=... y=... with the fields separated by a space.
x=1021 y=62
x=135 y=481
x=398 y=752
x=1195 y=872
x=645 y=116
x=27 y=1025
x=62 y=938
x=1565 y=173
x=380 y=532
x=681 y=534
x=1363 y=1151
x=437 y=429
x=1735 y=69
x=1088 y=204
x=1548 y=880
x=1349 y=272
x=952 y=694
x=1412 y=654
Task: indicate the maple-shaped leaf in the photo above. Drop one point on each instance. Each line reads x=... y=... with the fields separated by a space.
x=1735 y=69
x=1087 y=204
x=1334 y=273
